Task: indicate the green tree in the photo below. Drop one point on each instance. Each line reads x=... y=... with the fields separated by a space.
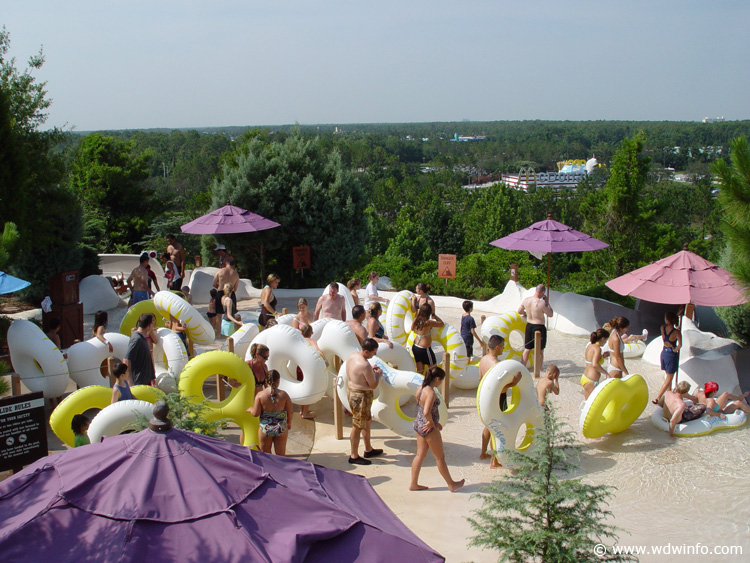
x=538 y=514
x=734 y=197
x=47 y=214
x=619 y=215
x=110 y=182
x=317 y=202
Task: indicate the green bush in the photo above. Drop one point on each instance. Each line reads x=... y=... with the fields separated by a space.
x=737 y=319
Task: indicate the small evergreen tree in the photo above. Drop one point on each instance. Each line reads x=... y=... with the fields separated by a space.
x=539 y=515
x=186 y=414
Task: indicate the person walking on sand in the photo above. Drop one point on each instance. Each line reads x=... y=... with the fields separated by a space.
x=534 y=308
x=495 y=347
x=548 y=384
x=331 y=305
x=427 y=426
x=670 y=353
x=362 y=378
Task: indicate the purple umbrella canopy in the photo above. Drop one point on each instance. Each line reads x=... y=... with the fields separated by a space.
x=228 y=220
x=549 y=236
x=183 y=496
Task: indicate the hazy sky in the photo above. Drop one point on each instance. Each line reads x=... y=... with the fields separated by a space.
x=170 y=63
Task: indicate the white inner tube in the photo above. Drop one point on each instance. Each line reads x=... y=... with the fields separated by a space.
x=241 y=338
x=398 y=317
x=198 y=329
x=348 y=299
x=511 y=326
x=37 y=360
x=398 y=356
x=394 y=386
x=700 y=426
x=85 y=358
x=523 y=408
x=170 y=354
x=335 y=338
x=113 y=419
x=287 y=350
x=468 y=378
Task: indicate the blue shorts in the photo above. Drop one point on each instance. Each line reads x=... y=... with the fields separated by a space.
x=139 y=296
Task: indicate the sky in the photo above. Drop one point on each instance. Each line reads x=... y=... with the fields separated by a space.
x=183 y=63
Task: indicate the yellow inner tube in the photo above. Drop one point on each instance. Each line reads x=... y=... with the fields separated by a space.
x=241 y=398
x=614 y=405
x=131 y=317
x=91 y=397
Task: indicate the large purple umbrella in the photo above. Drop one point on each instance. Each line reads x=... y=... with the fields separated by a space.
x=181 y=496
x=547 y=237
x=228 y=220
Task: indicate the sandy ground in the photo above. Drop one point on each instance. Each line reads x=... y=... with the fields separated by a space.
x=667 y=491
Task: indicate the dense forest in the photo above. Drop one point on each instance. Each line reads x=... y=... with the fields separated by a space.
x=385 y=197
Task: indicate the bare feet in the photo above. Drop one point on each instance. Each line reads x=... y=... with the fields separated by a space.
x=484 y=456
x=308 y=415
x=456 y=485
x=418 y=488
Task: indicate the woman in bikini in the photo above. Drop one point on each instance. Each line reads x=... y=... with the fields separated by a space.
x=304 y=317
x=268 y=300
x=427 y=426
x=670 y=353
x=375 y=329
x=258 y=357
x=616 y=345
x=422 y=296
x=593 y=355
x=353 y=285
x=422 y=328
x=274 y=407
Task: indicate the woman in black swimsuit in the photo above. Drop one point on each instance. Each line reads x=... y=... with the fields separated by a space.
x=258 y=357
x=422 y=296
x=268 y=300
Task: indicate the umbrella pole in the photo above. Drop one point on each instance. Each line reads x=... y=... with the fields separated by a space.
x=549 y=270
x=677 y=369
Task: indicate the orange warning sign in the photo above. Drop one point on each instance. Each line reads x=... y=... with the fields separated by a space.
x=301 y=256
x=447 y=266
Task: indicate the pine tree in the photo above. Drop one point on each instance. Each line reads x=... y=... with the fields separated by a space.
x=537 y=514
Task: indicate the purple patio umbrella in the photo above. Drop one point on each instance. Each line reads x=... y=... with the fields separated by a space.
x=547 y=237
x=177 y=495
x=228 y=220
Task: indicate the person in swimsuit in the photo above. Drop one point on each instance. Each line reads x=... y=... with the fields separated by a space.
x=670 y=353
x=171 y=272
x=594 y=359
x=304 y=317
x=676 y=410
x=259 y=354
x=422 y=328
x=427 y=426
x=616 y=345
x=211 y=311
x=274 y=407
x=307 y=333
x=268 y=300
x=375 y=329
x=353 y=285
x=229 y=322
x=726 y=403
x=100 y=327
x=422 y=296
x=535 y=308
x=121 y=388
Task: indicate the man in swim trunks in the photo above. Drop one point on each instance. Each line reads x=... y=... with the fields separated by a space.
x=138 y=280
x=534 y=308
x=362 y=380
x=495 y=347
x=676 y=410
x=225 y=275
x=177 y=254
x=331 y=305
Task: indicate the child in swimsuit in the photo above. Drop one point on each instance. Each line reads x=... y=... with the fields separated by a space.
x=594 y=360
x=422 y=327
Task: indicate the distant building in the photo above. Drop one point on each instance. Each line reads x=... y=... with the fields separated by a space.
x=713 y=119
x=569 y=176
x=468 y=139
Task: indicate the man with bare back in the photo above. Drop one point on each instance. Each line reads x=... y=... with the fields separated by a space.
x=534 y=308
x=331 y=305
x=138 y=280
x=362 y=380
x=358 y=316
x=177 y=254
x=226 y=275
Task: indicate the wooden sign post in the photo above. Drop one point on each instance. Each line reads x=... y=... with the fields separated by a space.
x=301 y=258
x=447 y=266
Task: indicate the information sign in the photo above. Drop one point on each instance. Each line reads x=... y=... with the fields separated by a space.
x=23 y=430
x=447 y=266
x=301 y=256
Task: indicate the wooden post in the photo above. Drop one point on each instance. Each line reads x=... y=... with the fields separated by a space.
x=190 y=349
x=514 y=272
x=537 y=354
x=338 y=410
x=481 y=342
x=15 y=385
x=446 y=384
